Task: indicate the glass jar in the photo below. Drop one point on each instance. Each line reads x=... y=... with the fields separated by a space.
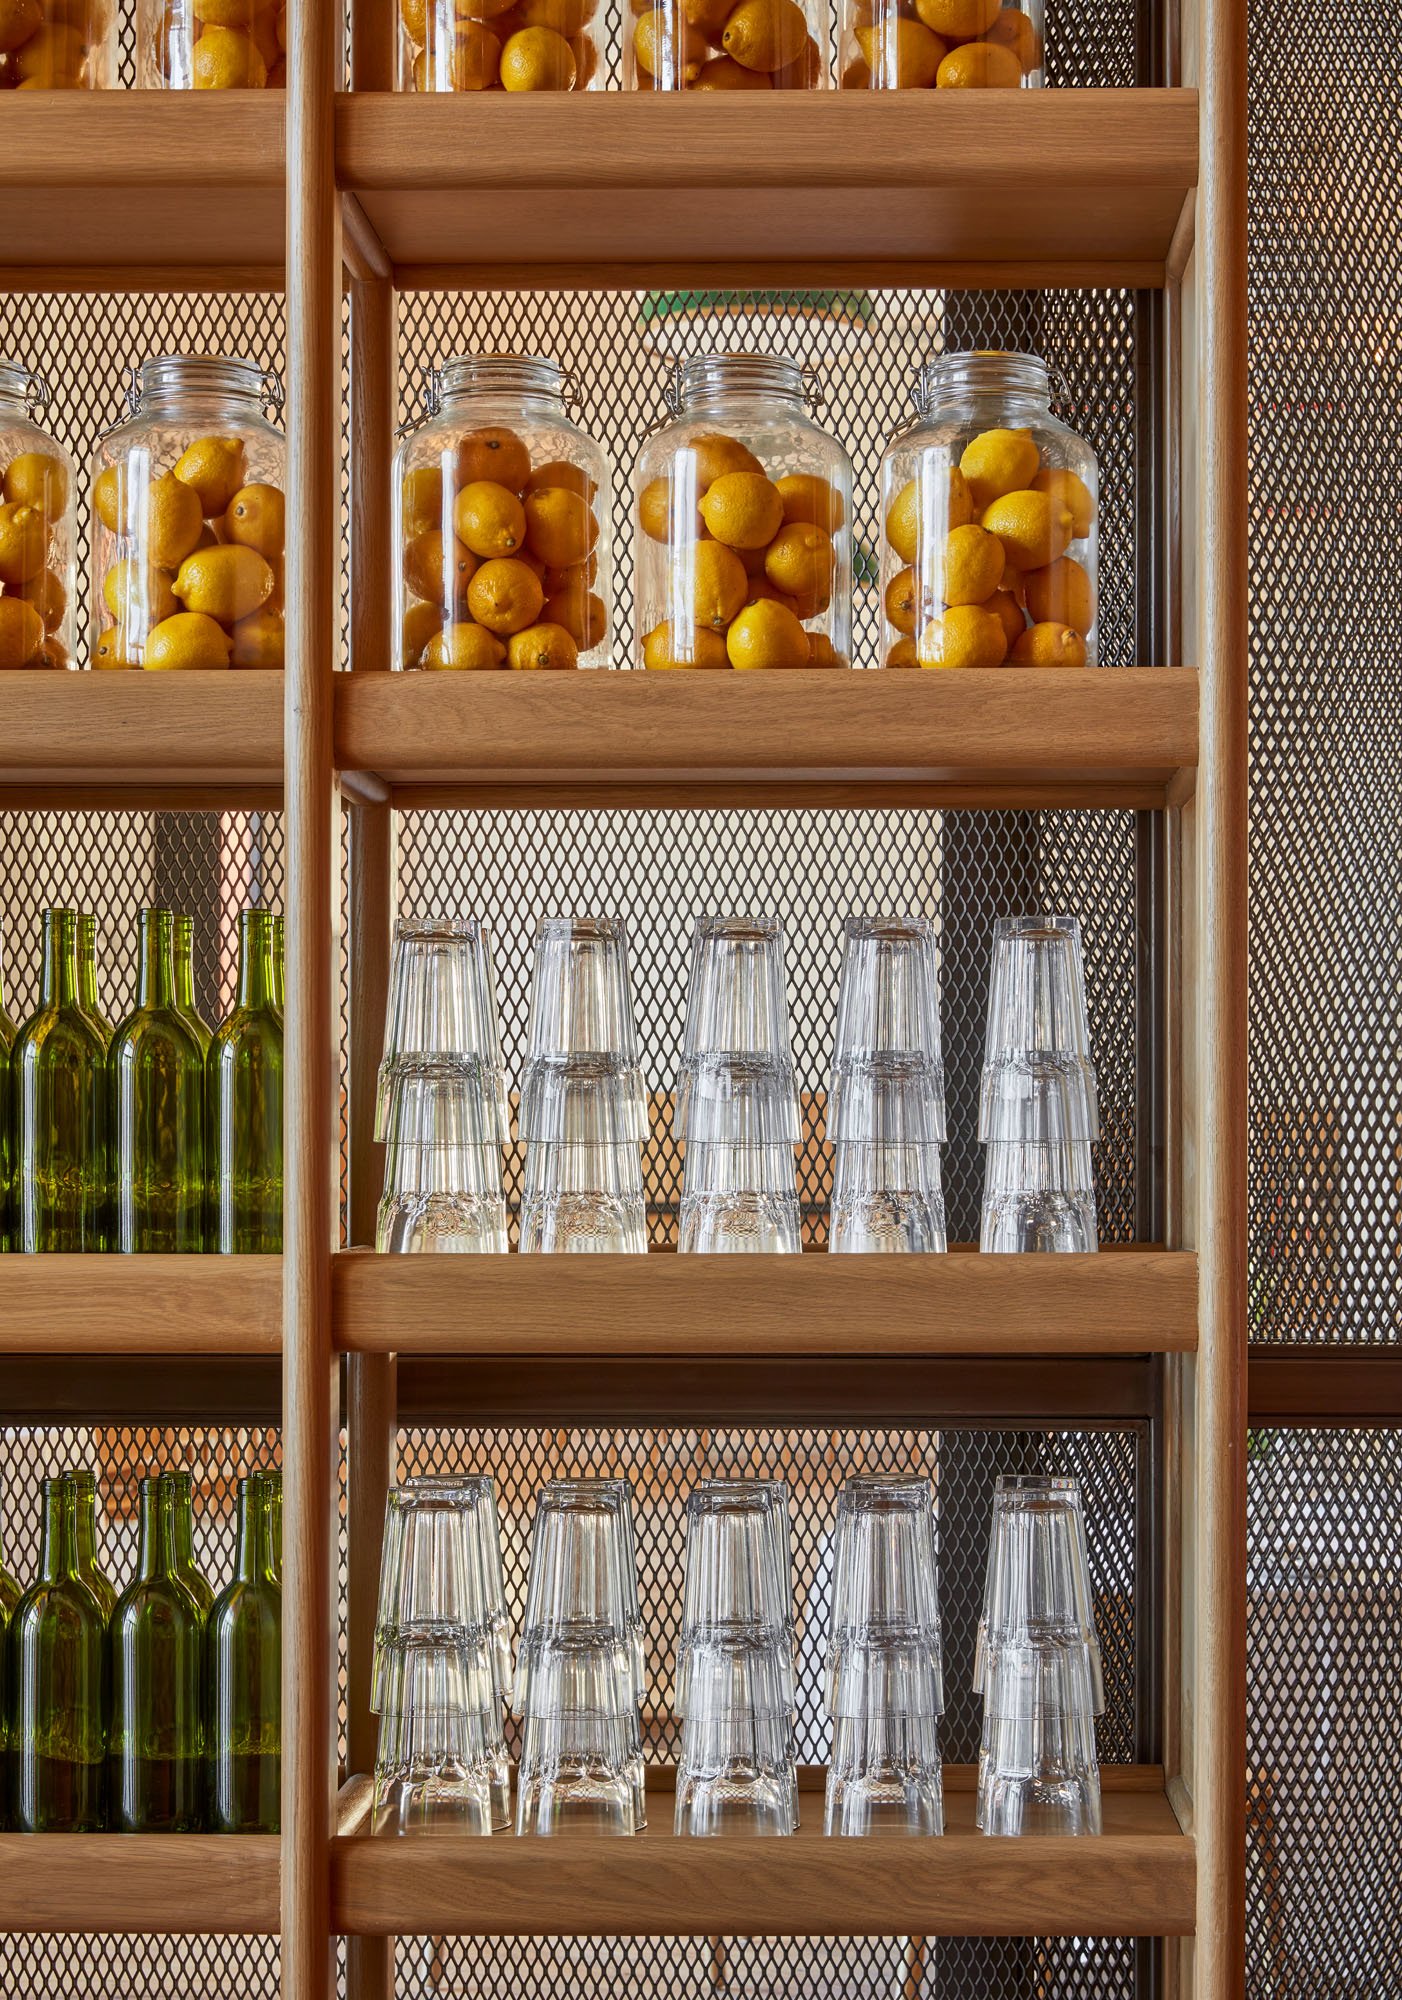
x=502 y=523
x=59 y=45
x=743 y=518
x=212 y=44
x=499 y=45
x=724 y=45
x=37 y=485
x=989 y=509
x=188 y=500
x=943 y=44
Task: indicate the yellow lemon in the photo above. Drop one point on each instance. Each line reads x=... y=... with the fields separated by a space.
x=52 y=654
x=259 y=640
x=172 y=521
x=655 y=509
x=185 y=643
x=718 y=584
x=765 y=34
x=19 y=19
x=37 y=479
x=110 y=650
x=959 y=20
x=766 y=634
x=902 y=601
x=581 y=576
x=227 y=583
x=743 y=509
x=505 y=596
x=109 y=497
x=903 y=522
x=968 y=635
x=1048 y=646
x=802 y=561
x=49 y=596
x=902 y=654
x=822 y=652
x=900 y=54
x=761 y=589
x=52 y=58
x=226 y=59
x=724 y=73
x=474 y=57
x=1033 y=528
x=489 y=519
x=538 y=59
x=21 y=632
x=714 y=454
x=857 y=76
x=464 y=649
x=224 y=13
x=492 y=452
x=973 y=566
x=437 y=573
x=668 y=48
x=980 y=66
x=808 y=498
x=560 y=526
x=1016 y=31
x=138 y=594
x=560 y=473
x=667 y=647
x=805 y=72
x=216 y=467
x=566 y=17
x=421 y=501
x=1009 y=612
x=24 y=544
x=581 y=612
x=1060 y=595
x=1068 y=490
x=262 y=32
x=256 y=518
x=998 y=462
x=710 y=16
x=541 y=649
x=421 y=622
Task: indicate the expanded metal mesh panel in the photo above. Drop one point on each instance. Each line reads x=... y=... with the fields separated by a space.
x=660 y=869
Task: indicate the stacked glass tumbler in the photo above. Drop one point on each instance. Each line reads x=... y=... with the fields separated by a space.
x=737 y=1108
x=735 y=1663
x=1038 y=1104
x=885 y=1685
x=442 y=1108
x=581 y=1667
x=886 y=1109
x=584 y=1102
x=442 y=1664
x=1037 y=1665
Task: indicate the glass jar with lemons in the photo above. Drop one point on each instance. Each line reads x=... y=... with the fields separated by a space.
x=743 y=518
x=36 y=529
x=724 y=45
x=58 y=45
x=502 y=524
x=943 y=45
x=212 y=44
x=188 y=526
x=990 y=512
x=499 y=45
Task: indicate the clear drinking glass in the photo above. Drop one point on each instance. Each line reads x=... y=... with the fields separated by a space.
x=37 y=536
x=443 y=1183
x=440 y=1737
x=582 y=1044
x=943 y=44
x=888 y=1016
x=1038 y=1198
x=1039 y=1081
x=886 y=1199
x=442 y=1008
x=725 y=45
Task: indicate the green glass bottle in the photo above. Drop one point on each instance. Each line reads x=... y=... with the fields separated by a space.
x=84 y=1488
x=157 y=1079
x=243 y=1673
x=156 y=1750
x=9 y=1598
x=183 y=933
x=244 y=1097
x=280 y=964
x=7 y=1039
x=58 y=1670
x=182 y=1500
x=58 y=1075
x=274 y=1480
x=87 y=977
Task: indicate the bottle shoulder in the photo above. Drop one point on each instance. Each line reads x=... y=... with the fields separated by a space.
x=55 y=1031
x=149 y=1029
x=161 y=1599
x=62 y=1600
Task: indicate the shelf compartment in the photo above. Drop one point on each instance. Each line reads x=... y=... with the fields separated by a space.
x=1055 y=187
x=774 y=1308
x=170 y=1884
x=140 y=1305
x=974 y=738
x=1137 y=1880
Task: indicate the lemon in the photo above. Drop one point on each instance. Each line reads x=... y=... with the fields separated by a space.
x=1033 y=528
x=21 y=632
x=541 y=649
x=489 y=519
x=581 y=613
x=1044 y=645
x=256 y=518
x=903 y=522
x=582 y=576
x=421 y=622
x=655 y=509
x=808 y=498
x=560 y=526
x=1061 y=595
x=765 y=34
x=109 y=497
x=262 y=32
x=761 y=589
x=226 y=59
x=900 y=54
x=802 y=561
x=538 y=59
x=464 y=649
x=805 y=72
x=226 y=583
x=1008 y=611
x=224 y=13
x=185 y=643
x=491 y=452
x=52 y=58
x=718 y=584
x=902 y=654
x=714 y=453
x=973 y=565
x=505 y=596
x=669 y=647
x=46 y=592
x=38 y=479
x=968 y=635
x=980 y=66
x=18 y=21
x=724 y=73
x=567 y=17
x=53 y=654
x=421 y=501
x=474 y=58
x=902 y=601
x=138 y=594
x=171 y=521
x=743 y=509
x=1016 y=31
x=709 y=16
x=216 y=467
x=1068 y=490
x=440 y=575
x=109 y=651
x=259 y=639
x=24 y=544
x=669 y=48
x=558 y=472
x=822 y=652
x=766 y=634
x=959 y=20
x=998 y=462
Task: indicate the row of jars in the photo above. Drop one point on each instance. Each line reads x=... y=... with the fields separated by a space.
x=521 y=45
x=742 y=516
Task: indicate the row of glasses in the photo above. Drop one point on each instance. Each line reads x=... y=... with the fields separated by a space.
x=1039 y=1109
x=1038 y=1666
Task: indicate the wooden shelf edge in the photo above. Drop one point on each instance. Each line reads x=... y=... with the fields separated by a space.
x=166 y=1884
x=140 y=733
x=141 y=1305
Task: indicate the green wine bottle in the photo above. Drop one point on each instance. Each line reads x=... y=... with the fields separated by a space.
x=87 y=977
x=183 y=933
x=182 y=1500
x=156 y=1751
x=280 y=964
x=58 y=1661
x=243 y=1673
x=9 y=1598
x=244 y=1098
x=157 y=1110
x=58 y=1074
x=274 y=1480
x=84 y=1489
x=7 y=1039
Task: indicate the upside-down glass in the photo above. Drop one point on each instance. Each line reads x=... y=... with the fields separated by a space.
x=886 y=1200
x=443 y=1185
x=583 y=1199
x=1039 y=1080
x=1037 y=1581
x=888 y=1003
x=38 y=486
x=582 y=1012
x=943 y=44
x=440 y=1745
x=442 y=1007
x=725 y=45
x=1038 y=1198
x=739 y=1571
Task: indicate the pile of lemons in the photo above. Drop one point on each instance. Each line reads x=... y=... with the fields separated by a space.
x=759 y=565
x=500 y=559
x=941 y=45
x=724 y=45
x=195 y=576
x=500 y=44
x=988 y=580
x=54 y=44
x=222 y=45
x=34 y=601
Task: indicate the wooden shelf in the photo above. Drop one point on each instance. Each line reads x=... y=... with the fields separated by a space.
x=133 y=737
x=144 y=190
x=1136 y=1880
x=776 y=1308
x=976 y=738
x=170 y=1884
x=1047 y=187
x=140 y=1305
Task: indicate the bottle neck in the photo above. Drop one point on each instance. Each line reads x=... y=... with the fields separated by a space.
x=279 y=963
x=61 y=980
x=84 y=1490
x=183 y=958
x=182 y=1522
x=272 y=1503
x=156 y=980
x=257 y=973
x=58 y=1553
x=156 y=1555
x=253 y=1562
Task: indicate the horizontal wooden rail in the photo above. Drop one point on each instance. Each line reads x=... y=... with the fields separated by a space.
x=171 y=1884
x=135 y=732
x=140 y=1305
